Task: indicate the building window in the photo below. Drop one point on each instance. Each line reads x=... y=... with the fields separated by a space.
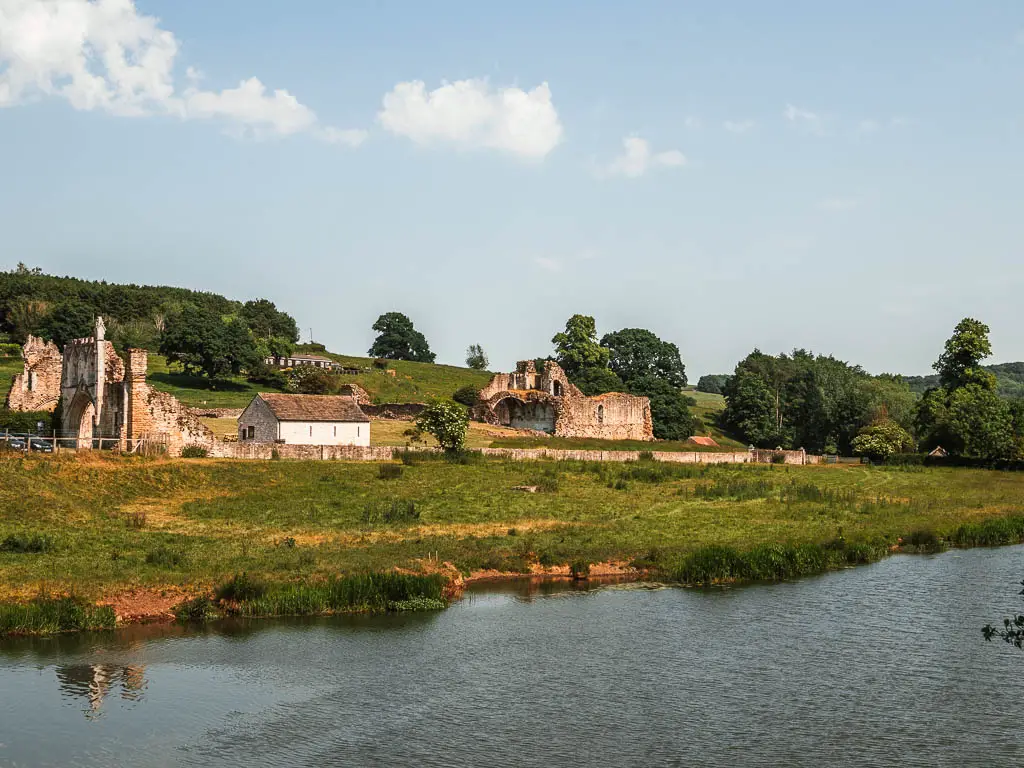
x=335 y=431
x=250 y=433
x=358 y=429
x=600 y=414
x=310 y=430
x=31 y=380
x=556 y=389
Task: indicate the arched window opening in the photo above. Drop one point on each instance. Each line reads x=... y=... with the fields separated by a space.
x=600 y=414
x=556 y=389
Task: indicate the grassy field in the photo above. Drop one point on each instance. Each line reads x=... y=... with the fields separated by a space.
x=98 y=525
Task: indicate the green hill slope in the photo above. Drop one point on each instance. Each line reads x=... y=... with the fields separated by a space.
x=412 y=382
x=1009 y=380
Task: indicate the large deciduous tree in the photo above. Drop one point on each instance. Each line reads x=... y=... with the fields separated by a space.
x=636 y=353
x=398 y=339
x=670 y=412
x=964 y=414
x=577 y=348
x=203 y=341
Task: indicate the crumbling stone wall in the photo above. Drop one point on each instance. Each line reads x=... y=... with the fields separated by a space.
x=157 y=416
x=548 y=402
x=37 y=387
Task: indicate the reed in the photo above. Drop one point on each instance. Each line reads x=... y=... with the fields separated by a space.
x=48 y=616
x=357 y=593
x=994 y=532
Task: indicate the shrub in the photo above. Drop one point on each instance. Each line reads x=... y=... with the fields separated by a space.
x=924 y=541
x=645 y=456
x=197 y=610
x=393 y=511
x=165 y=557
x=408 y=457
x=240 y=588
x=546 y=482
x=389 y=471
x=194 y=452
x=275 y=455
x=27 y=543
x=778 y=458
x=447 y=422
x=579 y=569
x=9 y=350
x=467 y=395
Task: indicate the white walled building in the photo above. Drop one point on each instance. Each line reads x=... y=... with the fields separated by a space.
x=304 y=420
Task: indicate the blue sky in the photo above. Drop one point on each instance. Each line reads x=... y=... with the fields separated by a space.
x=844 y=177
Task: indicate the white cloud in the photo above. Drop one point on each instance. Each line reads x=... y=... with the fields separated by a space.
x=637 y=158
x=803 y=118
x=738 y=126
x=105 y=55
x=470 y=114
x=351 y=137
x=838 y=204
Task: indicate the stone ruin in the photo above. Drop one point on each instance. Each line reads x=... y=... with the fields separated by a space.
x=101 y=397
x=548 y=402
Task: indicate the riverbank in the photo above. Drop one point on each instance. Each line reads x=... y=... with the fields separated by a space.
x=144 y=535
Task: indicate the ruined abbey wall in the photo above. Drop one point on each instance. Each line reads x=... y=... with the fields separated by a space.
x=614 y=416
x=37 y=387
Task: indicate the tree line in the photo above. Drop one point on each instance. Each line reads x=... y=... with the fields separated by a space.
x=822 y=404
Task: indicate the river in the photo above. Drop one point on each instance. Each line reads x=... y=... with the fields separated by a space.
x=875 y=666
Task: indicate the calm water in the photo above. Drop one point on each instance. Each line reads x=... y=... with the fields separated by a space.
x=881 y=665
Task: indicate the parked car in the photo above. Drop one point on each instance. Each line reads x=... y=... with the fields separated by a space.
x=15 y=444
x=41 y=445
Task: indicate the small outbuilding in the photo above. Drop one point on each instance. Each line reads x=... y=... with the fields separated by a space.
x=304 y=420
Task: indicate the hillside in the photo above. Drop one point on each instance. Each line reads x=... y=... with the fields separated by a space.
x=412 y=382
x=1009 y=380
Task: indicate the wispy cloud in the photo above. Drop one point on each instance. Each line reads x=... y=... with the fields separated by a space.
x=738 y=126
x=107 y=56
x=470 y=114
x=804 y=118
x=637 y=159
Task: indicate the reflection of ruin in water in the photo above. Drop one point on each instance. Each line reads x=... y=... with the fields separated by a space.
x=95 y=682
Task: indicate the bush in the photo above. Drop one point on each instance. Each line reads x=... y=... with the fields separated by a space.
x=197 y=610
x=268 y=377
x=241 y=587
x=394 y=511
x=24 y=421
x=923 y=541
x=389 y=471
x=467 y=395
x=27 y=544
x=408 y=457
x=165 y=557
x=194 y=452
x=579 y=569
x=10 y=350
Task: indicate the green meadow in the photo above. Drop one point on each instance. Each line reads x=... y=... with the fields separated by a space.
x=95 y=525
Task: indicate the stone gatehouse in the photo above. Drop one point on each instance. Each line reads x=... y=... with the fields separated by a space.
x=547 y=401
x=101 y=396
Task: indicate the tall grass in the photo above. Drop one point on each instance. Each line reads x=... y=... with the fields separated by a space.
x=736 y=488
x=994 y=532
x=48 y=616
x=391 y=511
x=367 y=592
x=767 y=562
x=27 y=543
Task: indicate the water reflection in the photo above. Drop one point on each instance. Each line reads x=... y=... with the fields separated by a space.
x=95 y=682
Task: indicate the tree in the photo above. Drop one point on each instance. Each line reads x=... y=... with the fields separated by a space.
x=202 y=341
x=399 y=340
x=467 y=395
x=981 y=423
x=309 y=380
x=476 y=358
x=959 y=363
x=881 y=440
x=636 y=353
x=68 y=320
x=749 y=409
x=712 y=383
x=597 y=381
x=446 y=421
x=266 y=321
x=577 y=347
x=670 y=411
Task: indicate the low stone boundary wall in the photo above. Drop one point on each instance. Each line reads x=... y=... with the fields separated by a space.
x=216 y=413
x=395 y=411
x=247 y=450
